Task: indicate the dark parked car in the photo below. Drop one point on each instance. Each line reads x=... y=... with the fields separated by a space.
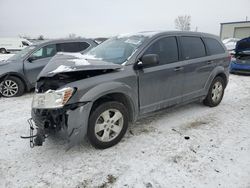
x=240 y=62
x=123 y=78
x=19 y=72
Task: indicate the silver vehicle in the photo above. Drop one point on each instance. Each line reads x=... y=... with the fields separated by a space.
x=99 y=93
x=19 y=73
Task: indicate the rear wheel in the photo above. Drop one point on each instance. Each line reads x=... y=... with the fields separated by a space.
x=12 y=87
x=3 y=51
x=107 y=124
x=215 y=93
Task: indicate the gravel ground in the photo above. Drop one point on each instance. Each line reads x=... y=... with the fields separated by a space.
x=154 y=152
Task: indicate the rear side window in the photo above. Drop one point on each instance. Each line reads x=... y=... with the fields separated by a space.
x=166 y=48
x=72 y=46
x=83 y=45
x=68 y=47
x=213 y=46
x=192 y=47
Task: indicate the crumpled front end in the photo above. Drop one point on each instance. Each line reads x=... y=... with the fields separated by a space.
x=57 y=104
x=71 y=120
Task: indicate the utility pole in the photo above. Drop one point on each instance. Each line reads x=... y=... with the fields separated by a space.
x=246 y=18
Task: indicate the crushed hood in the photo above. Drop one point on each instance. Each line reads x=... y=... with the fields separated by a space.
x=74 y=62
x=243 y=45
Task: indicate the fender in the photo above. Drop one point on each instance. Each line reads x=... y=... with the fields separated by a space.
x=217 y=70
x=110 y=88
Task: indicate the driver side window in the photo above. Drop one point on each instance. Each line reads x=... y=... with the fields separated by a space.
x=166 y=48
x=44 y=52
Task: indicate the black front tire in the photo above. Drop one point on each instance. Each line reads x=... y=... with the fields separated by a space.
x=94 y=117
x=18 y=82
x=208 y=101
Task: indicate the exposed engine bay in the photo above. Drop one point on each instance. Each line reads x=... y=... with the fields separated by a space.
x=61 y=79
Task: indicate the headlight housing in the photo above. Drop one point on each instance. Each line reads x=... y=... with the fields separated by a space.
x=52 y=98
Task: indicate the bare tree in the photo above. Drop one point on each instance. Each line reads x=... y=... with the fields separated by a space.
x=183 y=23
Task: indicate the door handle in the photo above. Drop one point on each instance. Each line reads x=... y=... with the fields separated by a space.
x=178 y=68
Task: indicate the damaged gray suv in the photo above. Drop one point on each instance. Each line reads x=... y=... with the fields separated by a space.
x=99 y=93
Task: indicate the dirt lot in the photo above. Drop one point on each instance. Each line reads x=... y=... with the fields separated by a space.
x=154 y=152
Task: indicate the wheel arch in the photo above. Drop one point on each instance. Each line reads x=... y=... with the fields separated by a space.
x=223 y=76
x=218 y=71
x=117 y=91
x=26 y=86
x=119 y=97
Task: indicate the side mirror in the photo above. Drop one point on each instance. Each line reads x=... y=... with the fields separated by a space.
x=149 y=60
x=31 y=58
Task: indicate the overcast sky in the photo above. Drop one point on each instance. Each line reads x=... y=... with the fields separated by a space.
x=92 y=18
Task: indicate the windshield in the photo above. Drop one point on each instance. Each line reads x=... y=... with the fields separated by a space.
x=22 y=53
x=116 y=50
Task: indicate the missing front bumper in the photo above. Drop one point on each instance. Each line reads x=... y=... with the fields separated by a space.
x=72 y=120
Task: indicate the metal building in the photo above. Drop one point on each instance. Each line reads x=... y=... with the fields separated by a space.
x=235 y=30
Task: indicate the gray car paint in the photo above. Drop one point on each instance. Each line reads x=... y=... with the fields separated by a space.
x=28 y=71
x=147 y=89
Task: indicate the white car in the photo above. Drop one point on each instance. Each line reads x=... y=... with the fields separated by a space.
x=230 y=43
x=13 y=44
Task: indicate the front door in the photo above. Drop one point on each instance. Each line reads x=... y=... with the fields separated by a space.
x=161 y=85
x=37 y=61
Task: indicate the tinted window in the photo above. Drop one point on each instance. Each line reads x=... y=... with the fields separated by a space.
x=69 y=47
x=166 y=49
x=213 y=46
x=83 y=45
x=192 y=47
x=46 y=51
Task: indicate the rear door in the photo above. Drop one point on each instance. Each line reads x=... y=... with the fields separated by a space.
x=40 y=58
x=161 y=85
x=197 y=66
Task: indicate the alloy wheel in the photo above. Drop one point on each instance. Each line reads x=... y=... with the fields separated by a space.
x=109 y=125
x=217 y=91
x=9 y=88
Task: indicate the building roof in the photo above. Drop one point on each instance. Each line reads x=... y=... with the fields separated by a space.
x=235 y=22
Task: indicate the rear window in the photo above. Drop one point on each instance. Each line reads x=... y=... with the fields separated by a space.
x=192 y=47
x=213 y=46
